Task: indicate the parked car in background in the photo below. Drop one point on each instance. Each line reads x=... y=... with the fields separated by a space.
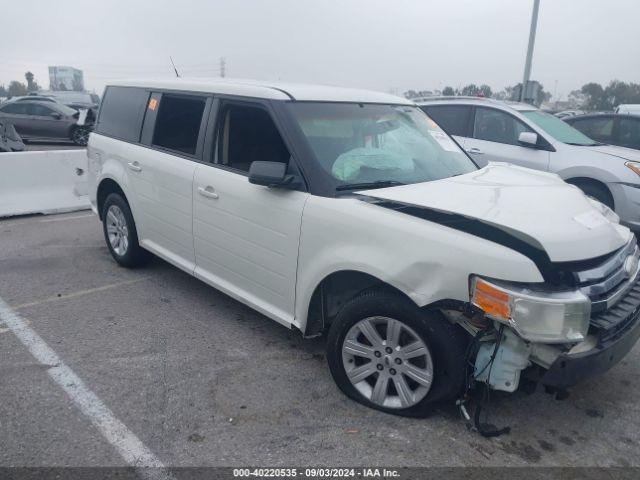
x=39 y=98
x=611 y=128
x=568 y=113
x=352 y=214
x=38 y=120
x=77 y=100
x=494 y=131
x=631 y=108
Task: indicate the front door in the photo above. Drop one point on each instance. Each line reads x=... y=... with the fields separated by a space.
x=495 y=139
x=246 y=236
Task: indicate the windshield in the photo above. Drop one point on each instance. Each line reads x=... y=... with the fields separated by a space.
x=558 y=129
x=373 y=145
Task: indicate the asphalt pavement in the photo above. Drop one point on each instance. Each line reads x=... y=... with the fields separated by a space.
x=202 y=380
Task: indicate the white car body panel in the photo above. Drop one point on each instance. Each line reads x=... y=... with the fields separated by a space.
x=426 y=261
x=246 y=239
x=501 y=195
x=604 y=163
x=163 y=192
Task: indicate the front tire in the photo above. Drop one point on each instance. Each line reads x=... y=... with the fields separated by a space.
x=386 y=353
x=120 y=233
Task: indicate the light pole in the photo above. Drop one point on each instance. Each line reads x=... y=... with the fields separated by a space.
x=532 y=41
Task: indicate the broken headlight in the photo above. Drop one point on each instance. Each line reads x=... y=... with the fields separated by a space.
x=539 y=315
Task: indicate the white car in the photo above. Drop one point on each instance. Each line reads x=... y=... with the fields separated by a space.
x=352 y=213
x=629 y=109
x=493 y=131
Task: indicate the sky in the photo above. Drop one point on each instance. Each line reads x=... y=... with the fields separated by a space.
x=391 y=46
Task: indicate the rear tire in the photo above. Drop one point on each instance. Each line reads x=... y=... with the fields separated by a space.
x=428 y=357
x=120 y=233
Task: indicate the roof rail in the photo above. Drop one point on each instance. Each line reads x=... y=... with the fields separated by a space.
x=450 y=97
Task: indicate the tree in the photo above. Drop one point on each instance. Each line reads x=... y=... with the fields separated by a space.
x=595 y=97
x=541 y=95
x=470 y=90
x=448 y=91
x=32 y=85
x=577 y=99
x=17 y=89
x=485 y=91
x=3 y=91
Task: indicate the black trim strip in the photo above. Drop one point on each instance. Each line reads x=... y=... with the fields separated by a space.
x=550 y=272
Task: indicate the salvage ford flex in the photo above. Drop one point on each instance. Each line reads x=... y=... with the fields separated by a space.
x=353 y=214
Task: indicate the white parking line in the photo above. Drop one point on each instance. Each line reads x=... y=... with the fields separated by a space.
x=130 y=448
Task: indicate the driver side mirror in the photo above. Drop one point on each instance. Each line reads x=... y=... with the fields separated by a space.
x=528 y=139
x=55 y=115
x=269 y=174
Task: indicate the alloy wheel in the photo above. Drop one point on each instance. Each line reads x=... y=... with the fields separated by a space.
x=117 y=230
x=387 y=362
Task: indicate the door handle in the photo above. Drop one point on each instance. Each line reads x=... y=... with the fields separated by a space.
x=135 y=166
x=208 y=192
x=475 y=151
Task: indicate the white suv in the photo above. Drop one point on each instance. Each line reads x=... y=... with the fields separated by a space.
x=493 y=131
x=352 y=213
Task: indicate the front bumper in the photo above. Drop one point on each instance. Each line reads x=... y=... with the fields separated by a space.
x=618 y=330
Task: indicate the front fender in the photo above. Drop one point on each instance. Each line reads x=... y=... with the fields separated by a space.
x=424 y=260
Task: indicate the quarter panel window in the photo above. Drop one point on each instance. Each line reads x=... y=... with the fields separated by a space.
x=178 y=123
x=121 y=113
x=247 y=134
x=453 y=119
x=497 y=126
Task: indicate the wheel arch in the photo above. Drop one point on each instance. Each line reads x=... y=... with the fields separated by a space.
x=577 y=181
x=106 y=187
x=334 y=290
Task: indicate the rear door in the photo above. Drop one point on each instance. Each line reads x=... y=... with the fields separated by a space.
x=453 y=119
x=245 y=235
x=495 y=139
x=16 y=113
x=162 y=174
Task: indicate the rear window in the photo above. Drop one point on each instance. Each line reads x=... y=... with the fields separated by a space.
x=453 y=119
x=121 y=113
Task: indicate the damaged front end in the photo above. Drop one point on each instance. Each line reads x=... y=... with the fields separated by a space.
x=556 y=335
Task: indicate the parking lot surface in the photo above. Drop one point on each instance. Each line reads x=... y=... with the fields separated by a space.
x=202 y=380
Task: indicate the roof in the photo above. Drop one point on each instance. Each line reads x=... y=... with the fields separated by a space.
x=269 y=90
x=460 y=99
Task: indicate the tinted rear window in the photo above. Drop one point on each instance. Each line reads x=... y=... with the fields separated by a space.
x=121 y=113
x=453 y=119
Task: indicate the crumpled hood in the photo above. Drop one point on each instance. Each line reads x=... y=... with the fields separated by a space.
x=536 y=207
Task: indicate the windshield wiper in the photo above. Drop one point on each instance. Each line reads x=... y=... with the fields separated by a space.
x=594 y=144
x=369 y=185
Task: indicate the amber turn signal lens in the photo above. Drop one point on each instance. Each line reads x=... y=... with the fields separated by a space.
x=493 y=301
x=635 y=166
